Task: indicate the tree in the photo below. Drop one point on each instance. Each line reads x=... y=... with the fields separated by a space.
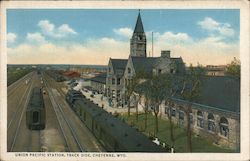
x=143 y=89
x=191 y=87
x=171 y=90
x=159 y=90
x=233 y=69
x=130 y=88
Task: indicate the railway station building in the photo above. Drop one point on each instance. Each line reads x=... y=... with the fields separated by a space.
x=215 y=115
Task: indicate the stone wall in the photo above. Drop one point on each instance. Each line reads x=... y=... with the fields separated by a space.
x=229 y=141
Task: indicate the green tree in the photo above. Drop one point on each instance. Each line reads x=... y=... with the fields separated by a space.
x=233 y=69
x=143 y=89
x=191 y=89
x=172 y=86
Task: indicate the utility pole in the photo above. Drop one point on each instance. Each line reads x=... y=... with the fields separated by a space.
x=152 y=44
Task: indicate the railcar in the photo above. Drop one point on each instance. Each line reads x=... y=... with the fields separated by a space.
x=114 y=134
x=35 y=113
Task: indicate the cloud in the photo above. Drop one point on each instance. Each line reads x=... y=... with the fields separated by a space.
x=49 y=29
x=212 y=50
x=211 y=25
x=125 y=32
x=35 y=38
x=11 y=37
x=170 y=37
x=94 y=51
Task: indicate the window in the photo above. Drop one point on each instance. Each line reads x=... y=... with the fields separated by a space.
x=109 y=69
x=200 y=119
x=113 y=80
x=224 y=130
x=211 y=123
x=181 y=118
x=173 y=112
x=118 y=81
x=181 y=115
x=129 y=70
x=35 y=117
x=191 y=118
x=118 y=93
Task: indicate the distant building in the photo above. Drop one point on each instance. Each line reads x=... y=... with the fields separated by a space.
x=215 y=70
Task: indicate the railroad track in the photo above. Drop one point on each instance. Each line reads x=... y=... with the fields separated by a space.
x=64 y=123
x=19 y=107
x=35 y=141
x=16 y=85
x=17 y=119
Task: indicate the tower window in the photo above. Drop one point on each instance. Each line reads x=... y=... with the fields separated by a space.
x=129 y=70
x=118 y=81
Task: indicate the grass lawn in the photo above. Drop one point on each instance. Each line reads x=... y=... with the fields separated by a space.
x=198 y=144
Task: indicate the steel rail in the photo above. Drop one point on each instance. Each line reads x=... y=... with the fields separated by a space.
x=67 y=122
x=20 y=120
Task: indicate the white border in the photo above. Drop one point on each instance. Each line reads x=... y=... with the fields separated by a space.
x=243 y=5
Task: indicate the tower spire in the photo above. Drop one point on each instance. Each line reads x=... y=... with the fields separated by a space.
x=139 y=25
x=138 y=42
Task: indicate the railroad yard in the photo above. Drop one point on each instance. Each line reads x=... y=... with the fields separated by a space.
x=64 y=131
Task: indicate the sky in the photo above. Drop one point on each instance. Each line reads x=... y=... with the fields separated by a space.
x=92 y=36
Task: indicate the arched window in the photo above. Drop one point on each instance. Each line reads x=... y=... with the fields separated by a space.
x=173 y=112
x=181 y=117
x=224 y=130
x=191 y=118
x=200 y=119
x=211 y=122
x=129 y=70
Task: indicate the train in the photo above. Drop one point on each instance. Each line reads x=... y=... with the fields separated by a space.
x=113 y=133
x=35 y=112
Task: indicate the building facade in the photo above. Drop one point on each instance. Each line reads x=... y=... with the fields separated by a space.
x=215 y=115
x=121 y=71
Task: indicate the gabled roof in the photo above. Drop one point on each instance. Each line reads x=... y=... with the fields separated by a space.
x=119 y=65
x=177 y=60
x=101 y=78
x=143 y=64
x=139 y=25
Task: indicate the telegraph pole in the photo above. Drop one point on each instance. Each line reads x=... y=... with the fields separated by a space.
x=152 y=44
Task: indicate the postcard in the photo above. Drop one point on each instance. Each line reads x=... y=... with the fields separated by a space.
x=124 y=80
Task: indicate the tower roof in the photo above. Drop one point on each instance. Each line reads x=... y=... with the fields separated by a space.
x=139 y=25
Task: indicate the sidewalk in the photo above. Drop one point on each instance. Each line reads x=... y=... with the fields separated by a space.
x=104 y=102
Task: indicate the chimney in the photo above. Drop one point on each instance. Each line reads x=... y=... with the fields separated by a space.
x=165 y=53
